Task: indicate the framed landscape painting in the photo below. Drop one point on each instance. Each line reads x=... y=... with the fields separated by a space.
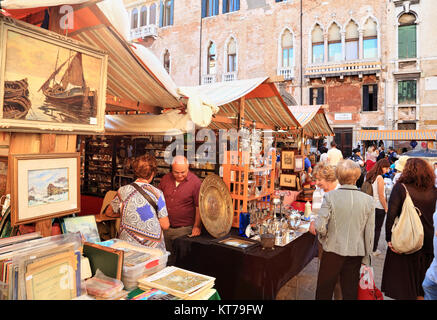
x=49 y=82
x=44 y=186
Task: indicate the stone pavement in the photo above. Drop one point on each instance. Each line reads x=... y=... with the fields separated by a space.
x=303 y=285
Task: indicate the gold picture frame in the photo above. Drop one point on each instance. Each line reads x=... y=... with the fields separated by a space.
x=44 y=186
x=288 y=180
x=287 y=160
x=49 y=82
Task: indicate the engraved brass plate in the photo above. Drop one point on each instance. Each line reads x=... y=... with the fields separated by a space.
x=215 y=206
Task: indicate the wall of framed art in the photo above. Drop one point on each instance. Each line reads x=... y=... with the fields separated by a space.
x=49 y=82
x=44 y=186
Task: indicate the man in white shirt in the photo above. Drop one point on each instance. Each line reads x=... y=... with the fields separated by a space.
x=334 y=155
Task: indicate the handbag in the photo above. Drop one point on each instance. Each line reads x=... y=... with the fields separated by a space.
x=407 y=231
x=366 y=287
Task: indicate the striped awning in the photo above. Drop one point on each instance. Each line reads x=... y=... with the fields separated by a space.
x=313 y=120
x=128 y=76
x=262 y=103
x=405 y=135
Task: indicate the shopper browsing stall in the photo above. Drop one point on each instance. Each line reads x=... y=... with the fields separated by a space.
x=345 y=227
x=181 y=190
x=141 y=207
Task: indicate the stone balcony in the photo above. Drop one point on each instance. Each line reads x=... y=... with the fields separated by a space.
x=209 y=78
x=287 y=73
x=229 y=76
x=343 y=68
x=144 y=32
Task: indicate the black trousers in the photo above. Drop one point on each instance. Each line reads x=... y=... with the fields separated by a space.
x=334 y=266
x=379 y=221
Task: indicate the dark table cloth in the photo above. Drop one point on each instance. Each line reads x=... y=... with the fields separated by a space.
x=254 y=274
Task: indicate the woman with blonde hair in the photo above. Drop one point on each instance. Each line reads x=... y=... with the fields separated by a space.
x=345 y=227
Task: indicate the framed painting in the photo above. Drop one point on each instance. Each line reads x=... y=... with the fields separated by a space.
x=298 y=163
x=287 y=160
x=49 y=82
x=288 y=180
x=239 y=243
x=44 y=186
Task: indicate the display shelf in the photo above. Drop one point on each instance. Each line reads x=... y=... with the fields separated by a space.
x=242 y=182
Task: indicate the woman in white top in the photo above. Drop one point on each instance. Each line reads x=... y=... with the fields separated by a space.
x=374 y=176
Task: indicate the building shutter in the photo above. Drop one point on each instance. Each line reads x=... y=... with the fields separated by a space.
x=375 y=97
x=365 y=98
x=204 y=8
x=161 y=13
x=216 y=7
x=411 y=48
x=171 y=12
x=225 y=5
x=237 y=5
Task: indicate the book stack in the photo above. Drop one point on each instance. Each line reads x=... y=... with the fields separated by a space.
x=183 y=284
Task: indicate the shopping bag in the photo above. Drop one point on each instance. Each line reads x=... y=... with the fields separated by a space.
x=366 y=287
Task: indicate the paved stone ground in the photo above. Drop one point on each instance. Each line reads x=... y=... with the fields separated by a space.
x=303 y=286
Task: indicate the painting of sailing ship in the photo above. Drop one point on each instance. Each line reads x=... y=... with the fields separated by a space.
x=52 y=84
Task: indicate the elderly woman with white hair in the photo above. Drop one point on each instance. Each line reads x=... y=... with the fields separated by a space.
x=345 y=225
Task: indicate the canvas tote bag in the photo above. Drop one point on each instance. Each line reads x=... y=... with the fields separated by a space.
x=407 y=231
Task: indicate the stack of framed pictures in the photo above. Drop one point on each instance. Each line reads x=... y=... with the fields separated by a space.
x=42 y=268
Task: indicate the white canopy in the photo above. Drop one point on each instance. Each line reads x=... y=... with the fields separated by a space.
x=221 y=93
x=171 y=122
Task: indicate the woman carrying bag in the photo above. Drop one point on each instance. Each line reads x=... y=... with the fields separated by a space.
x=403 y=274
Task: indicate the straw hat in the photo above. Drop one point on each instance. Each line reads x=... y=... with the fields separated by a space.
x=400 y=164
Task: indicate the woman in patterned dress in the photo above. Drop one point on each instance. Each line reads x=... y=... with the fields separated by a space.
x=141 y=207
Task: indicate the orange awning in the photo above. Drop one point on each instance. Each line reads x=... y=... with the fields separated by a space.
x=404 y=135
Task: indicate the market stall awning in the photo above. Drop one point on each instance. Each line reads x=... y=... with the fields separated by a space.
x=313 y=120
x=136 y=80
x=260 y=97
x=171 y=123
x=405 y=135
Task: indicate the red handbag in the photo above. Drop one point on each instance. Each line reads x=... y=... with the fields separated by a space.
x=366 y=287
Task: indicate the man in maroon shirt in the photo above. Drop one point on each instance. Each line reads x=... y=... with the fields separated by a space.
x=181 y=192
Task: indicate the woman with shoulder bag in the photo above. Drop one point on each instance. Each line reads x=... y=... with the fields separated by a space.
x=141 y=207
x=403 y=274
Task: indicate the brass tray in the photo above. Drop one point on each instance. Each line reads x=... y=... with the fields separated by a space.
x=215 y=206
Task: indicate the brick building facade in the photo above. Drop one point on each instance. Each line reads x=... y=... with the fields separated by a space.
x=342 y=53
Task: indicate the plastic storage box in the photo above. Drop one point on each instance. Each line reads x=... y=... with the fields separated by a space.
x=131 y=274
